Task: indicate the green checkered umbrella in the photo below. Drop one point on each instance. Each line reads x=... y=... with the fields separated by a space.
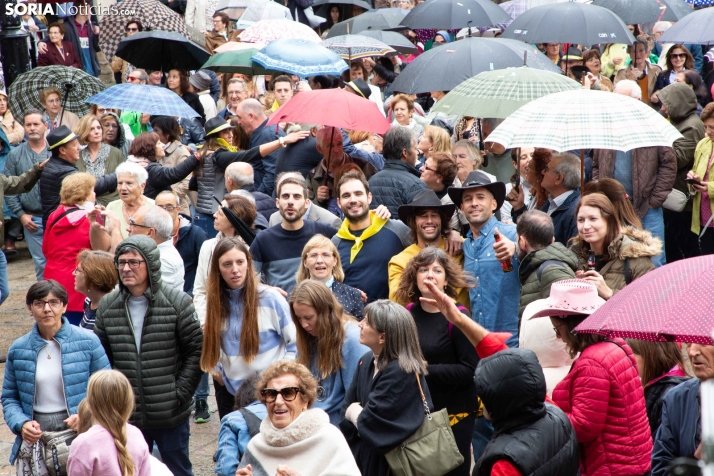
x=74 y=84
x=500 y=93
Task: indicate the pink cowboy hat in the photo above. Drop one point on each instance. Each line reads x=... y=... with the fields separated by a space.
x=567 y=298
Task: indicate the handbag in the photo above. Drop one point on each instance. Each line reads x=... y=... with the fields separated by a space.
x=55 y=446
x=430 y=451
x=676 y=200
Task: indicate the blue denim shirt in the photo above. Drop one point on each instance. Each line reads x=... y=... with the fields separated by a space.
x=494 y=302
x=233 y=439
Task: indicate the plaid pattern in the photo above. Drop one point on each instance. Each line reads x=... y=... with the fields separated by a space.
x=154 y=100
x=24 y=93
x=266 y=31
x=152 y=14
x=700 y=3
x=357 y=46
x=300 y=57
x=500 y=93
x=584 y=119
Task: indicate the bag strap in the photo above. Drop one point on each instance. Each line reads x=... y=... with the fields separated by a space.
x=545 y=264
x=62 y=215
x=251 y=420
x=423 y=398
x=628 y=272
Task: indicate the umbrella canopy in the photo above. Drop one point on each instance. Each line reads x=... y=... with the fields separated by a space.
x=300 y=57
x=154 y=100
x=266 y=31
x=332 y=107
x=152 y=14
x=322 y=7
x=235 y=8
x=500 y=93
x=263 y=10
x=670 y=303
x=382 y=19
x=162 y=50
x=584 y=119
x=695 y=28
x=76 y=86
x=238 y=46
x=239 y=61
x=357 y=46
x=445 y=67
x=452 y=14
x=634 y=12
x=516 y=7
x=393 y=39
x=569 y=22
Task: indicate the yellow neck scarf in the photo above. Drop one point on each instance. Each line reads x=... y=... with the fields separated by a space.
x=344 y=233
x=226 y=145
x=275 y=106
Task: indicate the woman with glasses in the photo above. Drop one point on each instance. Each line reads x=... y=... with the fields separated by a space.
x=297 y=439
x=47 y=371
x=59 y=52
x=114 y=132
x=327 y=341
x=95 y=276
x=678 y=59
x=248 y=325
x=121 y=68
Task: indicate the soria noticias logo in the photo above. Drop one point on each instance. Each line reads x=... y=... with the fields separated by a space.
x=19 y=9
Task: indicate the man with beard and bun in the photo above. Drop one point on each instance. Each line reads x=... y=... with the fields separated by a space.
x=277 y=251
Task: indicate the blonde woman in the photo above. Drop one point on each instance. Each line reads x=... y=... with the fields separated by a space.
x=111 y=447
x=434 y=140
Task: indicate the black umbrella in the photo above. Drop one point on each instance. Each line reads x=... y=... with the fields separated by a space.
x=634 y=12
x=326 y=5
x=445 y=67
x=162 y=51
x=569 y=22
x=239 y=225
x=394 y=39
x=382 y=19
x=692 y=29
x=453 y=14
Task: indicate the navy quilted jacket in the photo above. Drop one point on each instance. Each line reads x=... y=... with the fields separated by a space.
x=82 y=355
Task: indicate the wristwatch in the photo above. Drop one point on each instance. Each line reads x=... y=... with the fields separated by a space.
x=282 y=142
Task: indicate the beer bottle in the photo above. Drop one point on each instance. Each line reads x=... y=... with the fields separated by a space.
x=506 y=264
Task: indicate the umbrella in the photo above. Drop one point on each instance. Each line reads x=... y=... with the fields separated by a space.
x=238 y=46
x=154 y=100
x=300 y=57
x=695 y=28
x=266 y=31
x=240 y=61
x=393 y=39
x=670 y=303
x=701 y=3
x=569 y=22
x=382 y=19
x=162 y=50
x=452 y=14
x=352 y=47
x=235 y=8
x=152 y=14
x=75 y=85
x=265 y=10
x=634 y=12
x=500 y=93
x=332 y=107
x=323 y=6
x=445 y=67
x=515 y=8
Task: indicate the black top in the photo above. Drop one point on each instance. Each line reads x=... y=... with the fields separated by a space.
x=302 y=156
x=451 y=362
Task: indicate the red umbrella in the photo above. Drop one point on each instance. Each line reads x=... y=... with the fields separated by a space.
x=671 y=303
x=332 y=107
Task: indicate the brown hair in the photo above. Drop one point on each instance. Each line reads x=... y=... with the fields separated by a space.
x=144 y=146
x=445 y=166
x=76 y=188
x=330 y=327
x=707 y=112
x=183 y=79
x=609 y=214
x=541 y=158
x=45 y=93
x=402 y=97
x=98 y=268
x=408 y=291
x=658 y=358
x=616 y=193
x=590 y=54
x=84 y=127
x=575 y=342
x=283 y=78
x=85 y=416
x=342 y=170
x=688 y=61
x=308 y=383
x=445 y=220
x=351 y=176
x=360 y=64
x=225 y=19
x=240 y=137
x=358 y=136
x=319 y=241
x=57 y=24
x=243 y=208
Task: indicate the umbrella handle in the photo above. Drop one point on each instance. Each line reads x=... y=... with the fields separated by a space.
x=67 y=88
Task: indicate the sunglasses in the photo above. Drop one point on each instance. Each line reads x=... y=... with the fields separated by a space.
x=288 y=393
x=678 y=55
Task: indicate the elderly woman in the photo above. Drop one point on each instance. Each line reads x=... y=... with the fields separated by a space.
x=702 y=174
x=295 y=439
x=131 y=181
x=592 y=61
x=327 y=341
x=54 y=116
x=97 y=158
x=640 y=69
x=221 y=33
x=13 y=129
x=47 y=369
x=402 y=107
x=383 y=405
x=115 y=133
x=95 y=276
x=321 y=262
x=66 y=234
x=169 y=132
x=59 y=52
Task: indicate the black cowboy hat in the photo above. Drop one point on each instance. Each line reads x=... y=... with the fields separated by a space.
x=478 y=179
x=424 y=199
x=216 y=125
x=60 y=136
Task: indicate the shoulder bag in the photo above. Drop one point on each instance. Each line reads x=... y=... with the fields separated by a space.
x=430 y=451
x=55 y=447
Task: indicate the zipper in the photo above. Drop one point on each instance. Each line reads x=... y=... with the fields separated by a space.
x=138 y=360
x=64 y=390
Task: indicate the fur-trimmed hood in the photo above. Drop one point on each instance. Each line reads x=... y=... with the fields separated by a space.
x=634 y=243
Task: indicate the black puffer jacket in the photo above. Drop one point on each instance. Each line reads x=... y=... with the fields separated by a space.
x=162 y=178
x=264 y=204
x=165 y=374
x=395 y=185
x=537 y=438
x=654 y=395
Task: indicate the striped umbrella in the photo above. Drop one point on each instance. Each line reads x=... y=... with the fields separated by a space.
x=154 y=100
x=352 y=47
x=266 y=31
x=500 y=93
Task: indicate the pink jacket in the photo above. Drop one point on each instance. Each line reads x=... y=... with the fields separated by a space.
x=94 y=453
x=605 y=402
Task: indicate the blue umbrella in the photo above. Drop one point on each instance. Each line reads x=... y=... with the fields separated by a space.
x=154 y=100
x=300 y=57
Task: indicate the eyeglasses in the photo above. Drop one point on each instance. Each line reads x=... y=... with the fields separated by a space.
x=133 y=223
x=133 y=78
x=557 y=330
x=678 y=55
x=102 y=110
x=54 y=304
x=168 y=208
x=133 y=263
x=324 y=256
x=429 y=169
x=288 y=393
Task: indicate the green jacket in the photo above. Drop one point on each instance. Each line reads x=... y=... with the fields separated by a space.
x=15 y=185
x=165 y=374
x=115 y=158
x=532 y=288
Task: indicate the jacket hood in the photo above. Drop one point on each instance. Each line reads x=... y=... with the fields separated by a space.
x=680 y=101
x=634 y=243
x=121 y=136
x=148 y=250
x=512 y=387
x=554 y=251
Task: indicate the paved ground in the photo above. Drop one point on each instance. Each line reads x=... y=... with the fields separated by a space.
x=16 y=321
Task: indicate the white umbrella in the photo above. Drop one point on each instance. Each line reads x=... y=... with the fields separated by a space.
x=262 y=11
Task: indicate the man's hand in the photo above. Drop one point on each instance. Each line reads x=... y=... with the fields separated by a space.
x=505 y=249
x=31 y=431
x=283 y=470
x=27 y=222
x=303 y=86
x=43 y=163
x=382 y=212
x=454 y=243
x=323 y=193
x=516 y=198
x=247 y=471
x=73 y=422
x=96 y=30
x=363 y=295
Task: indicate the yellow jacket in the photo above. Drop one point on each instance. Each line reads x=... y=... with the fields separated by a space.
x=701 y=159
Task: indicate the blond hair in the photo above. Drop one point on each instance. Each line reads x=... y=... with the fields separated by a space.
x=320 y=241
x=84 y=127
x=76 y=188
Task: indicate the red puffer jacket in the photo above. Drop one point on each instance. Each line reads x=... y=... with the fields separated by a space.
x=604 y=400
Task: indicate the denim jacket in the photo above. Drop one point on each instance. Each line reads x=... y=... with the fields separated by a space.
x=234 y=437
x=494 y=302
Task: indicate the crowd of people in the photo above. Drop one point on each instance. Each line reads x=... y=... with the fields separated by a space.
x=334 y=286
